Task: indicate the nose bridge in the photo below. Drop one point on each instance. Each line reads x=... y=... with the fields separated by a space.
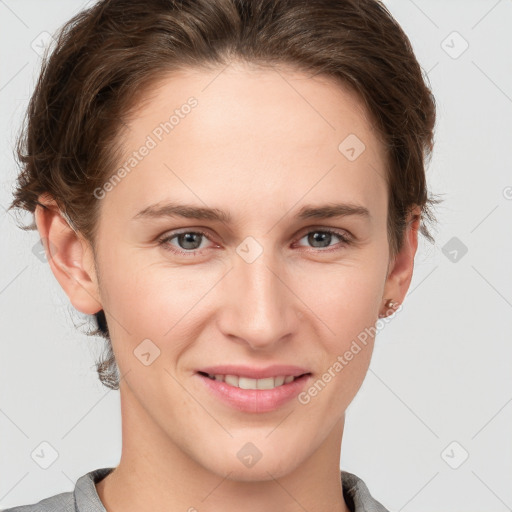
x=259 y=307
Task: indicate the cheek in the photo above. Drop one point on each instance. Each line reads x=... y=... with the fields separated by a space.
x=346 y=296
x=138 y=288
x=348 y=308
x=347 y=300
x=146 y=300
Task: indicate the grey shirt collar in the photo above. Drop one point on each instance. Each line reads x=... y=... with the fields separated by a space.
x=355 y=492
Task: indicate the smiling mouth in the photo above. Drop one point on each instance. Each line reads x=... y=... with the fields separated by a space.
x=247 y=383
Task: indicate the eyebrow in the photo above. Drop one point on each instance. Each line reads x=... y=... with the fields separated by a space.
x=327 y=211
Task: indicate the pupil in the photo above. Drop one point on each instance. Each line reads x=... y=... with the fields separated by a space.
x=319 y=236
x=188 y=238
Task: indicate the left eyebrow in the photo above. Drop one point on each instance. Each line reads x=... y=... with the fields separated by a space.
x=333 y=210
x=326 y=211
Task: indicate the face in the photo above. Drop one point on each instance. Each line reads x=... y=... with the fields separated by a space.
x=252 y=232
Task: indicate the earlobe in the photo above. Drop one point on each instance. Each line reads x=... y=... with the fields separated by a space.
x=400 y=274
x=69 y=257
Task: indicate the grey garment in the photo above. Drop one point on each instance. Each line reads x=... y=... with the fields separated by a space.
x=357 y=496
x=85 y=498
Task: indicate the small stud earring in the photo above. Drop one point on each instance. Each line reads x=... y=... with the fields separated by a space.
x=390 y=304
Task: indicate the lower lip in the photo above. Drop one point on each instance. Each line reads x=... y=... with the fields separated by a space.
x=255 y=400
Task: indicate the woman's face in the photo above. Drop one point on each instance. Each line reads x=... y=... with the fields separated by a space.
x=263 y=156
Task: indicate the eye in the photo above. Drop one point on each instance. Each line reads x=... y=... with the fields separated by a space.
x=321 y=238
x=188 y=242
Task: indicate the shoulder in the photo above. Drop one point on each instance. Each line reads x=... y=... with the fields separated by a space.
x=63 y=502
x=358 y=496
x=84 y=497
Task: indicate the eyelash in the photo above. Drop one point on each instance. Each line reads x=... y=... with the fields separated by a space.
x=165 y=241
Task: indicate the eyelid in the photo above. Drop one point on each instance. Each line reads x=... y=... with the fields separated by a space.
x=330 y=229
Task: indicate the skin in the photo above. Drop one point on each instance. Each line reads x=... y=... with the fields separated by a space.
x=260 y=145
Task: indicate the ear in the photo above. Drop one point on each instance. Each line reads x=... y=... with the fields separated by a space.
x=401 y=267
x=69 y=256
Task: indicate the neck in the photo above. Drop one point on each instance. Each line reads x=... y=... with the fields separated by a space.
x=154 y=473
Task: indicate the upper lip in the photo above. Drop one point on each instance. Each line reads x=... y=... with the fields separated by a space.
x=252 y=372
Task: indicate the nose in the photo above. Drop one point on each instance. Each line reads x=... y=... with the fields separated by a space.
x=258 y=307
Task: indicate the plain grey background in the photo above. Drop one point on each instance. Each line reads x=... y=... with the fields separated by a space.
x=431 y=426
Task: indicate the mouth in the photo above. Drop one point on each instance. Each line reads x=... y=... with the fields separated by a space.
x=250 y=395
x=248 y=383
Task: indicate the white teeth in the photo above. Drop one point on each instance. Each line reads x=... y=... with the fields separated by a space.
x=231 y=380
x=279 y=380
x=268 y=383
x=246 y=383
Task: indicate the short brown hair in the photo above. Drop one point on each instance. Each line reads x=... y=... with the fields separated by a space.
x=109 y=54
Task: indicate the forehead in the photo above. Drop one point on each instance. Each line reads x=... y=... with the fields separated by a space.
x=242 y=95
x=243 y=135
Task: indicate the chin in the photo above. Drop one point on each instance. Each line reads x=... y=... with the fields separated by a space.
x=259 y=473
x=266 y=468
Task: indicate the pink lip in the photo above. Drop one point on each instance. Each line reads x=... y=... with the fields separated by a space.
x=254 y=400
x=255 y=373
